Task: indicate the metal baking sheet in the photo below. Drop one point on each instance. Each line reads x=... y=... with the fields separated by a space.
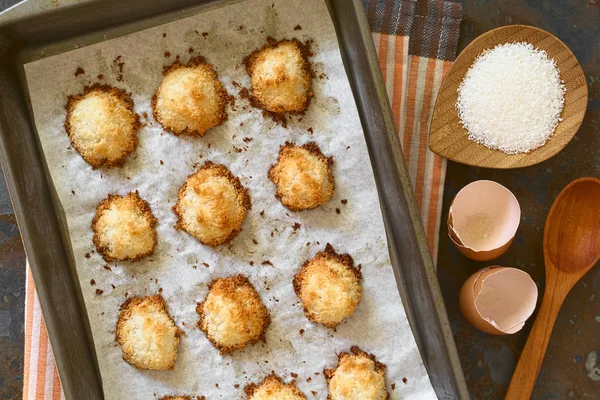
x=31 y=35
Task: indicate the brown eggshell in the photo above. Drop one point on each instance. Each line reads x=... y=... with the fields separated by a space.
x=513 y=300
x=483 y=219
x=481 y=255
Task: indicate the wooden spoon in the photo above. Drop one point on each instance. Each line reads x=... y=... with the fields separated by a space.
x=571 y=248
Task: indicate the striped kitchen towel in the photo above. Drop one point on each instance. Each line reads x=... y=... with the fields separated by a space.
x=416 y=41
x=40 y=377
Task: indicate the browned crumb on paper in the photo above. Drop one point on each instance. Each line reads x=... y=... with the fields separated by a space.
x=79 y=71
x=118 y=64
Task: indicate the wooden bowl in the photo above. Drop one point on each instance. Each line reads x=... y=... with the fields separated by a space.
x=449 y=139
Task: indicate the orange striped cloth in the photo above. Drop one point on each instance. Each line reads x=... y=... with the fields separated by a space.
x=416 y=42
x=40 y=377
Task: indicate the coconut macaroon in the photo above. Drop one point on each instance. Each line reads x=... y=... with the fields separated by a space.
x=303 y=176
x=280 y=77
x=147 y=334
x=329 y=287
x=102 y=125
x=232 y=315
x=212 y=205
x=273 y=388
x=190 y=100
x=358 y=376
x=124 y=228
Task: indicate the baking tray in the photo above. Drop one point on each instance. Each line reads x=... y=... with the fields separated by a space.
x=30 y=33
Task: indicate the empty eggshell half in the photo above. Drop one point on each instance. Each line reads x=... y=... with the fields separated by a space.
x=483 y=219
x=498 y=300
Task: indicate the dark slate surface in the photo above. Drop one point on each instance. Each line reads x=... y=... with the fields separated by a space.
x=488 y=360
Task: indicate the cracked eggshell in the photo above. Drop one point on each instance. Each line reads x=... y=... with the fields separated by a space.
x=483 y=220
x=498 y=300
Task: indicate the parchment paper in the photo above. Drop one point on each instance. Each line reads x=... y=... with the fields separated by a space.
x=183 y=267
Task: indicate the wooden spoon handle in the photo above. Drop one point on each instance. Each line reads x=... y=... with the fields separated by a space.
x=525 y=375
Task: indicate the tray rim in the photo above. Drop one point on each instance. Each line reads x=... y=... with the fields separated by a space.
x=431 y=331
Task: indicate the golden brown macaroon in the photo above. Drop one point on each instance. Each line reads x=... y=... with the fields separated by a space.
x=303 y=176
x=358 y=376
x=329 y=287
x=273 y=387
x=124 y=228
x=212 y=205
x=102 y=125
x=232 y=315
x=190 y=100
x=147 y=334
x=280 y=77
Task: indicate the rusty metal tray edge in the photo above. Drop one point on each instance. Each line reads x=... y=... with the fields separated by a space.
x=31 y=34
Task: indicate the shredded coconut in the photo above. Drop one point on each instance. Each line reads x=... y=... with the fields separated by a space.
x=511 y=98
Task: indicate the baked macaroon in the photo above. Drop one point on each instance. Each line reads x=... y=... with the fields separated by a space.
x=280 y=77
x=358 y=376
x=191 y=99
x=303 y=176
x=124 y=228
x=232 y=315
x=182 y=398
x=273 y=387
x=212 y=205
x=329 y=287
x=147 y=334
x=102 y=125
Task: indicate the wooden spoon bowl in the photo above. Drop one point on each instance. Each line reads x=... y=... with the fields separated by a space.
x=449 y=139
x=571 y=249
